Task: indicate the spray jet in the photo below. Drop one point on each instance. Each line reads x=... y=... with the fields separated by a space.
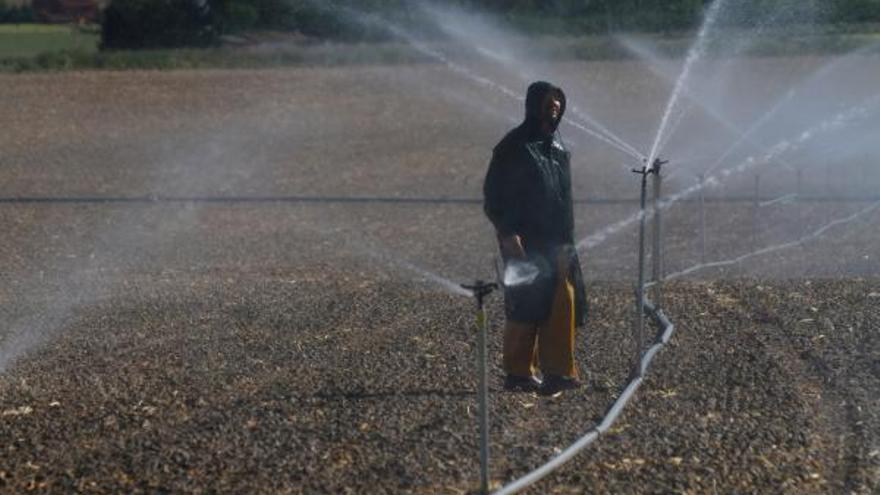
x=519 y=272
x=480 y=290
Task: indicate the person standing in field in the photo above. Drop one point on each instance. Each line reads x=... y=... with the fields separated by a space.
x=527 y=197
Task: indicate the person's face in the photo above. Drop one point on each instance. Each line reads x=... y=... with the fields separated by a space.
x=552 y=109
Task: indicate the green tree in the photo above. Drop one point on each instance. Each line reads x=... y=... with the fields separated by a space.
x=157 y=24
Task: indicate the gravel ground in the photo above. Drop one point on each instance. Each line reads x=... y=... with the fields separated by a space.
x=265 y=385
x=287 y=347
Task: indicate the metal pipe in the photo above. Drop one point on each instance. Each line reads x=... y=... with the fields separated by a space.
x=656 y=248
x=482 y=363
x=702 y=178
x=480 y=291
x=640 y=288
x=755 y=205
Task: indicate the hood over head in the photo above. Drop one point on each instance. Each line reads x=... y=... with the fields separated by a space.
x=535 y=96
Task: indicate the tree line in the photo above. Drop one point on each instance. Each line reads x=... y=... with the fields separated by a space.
x=170 y=23
x=12 y=14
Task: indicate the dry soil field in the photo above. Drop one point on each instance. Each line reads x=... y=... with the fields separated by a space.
x=175 y=316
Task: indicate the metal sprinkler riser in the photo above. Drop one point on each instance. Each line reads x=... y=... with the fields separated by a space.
x=639 y=324
x=655 y=167
x=480 y=290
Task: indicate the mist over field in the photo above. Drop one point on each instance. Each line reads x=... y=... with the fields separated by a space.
x=248 y=279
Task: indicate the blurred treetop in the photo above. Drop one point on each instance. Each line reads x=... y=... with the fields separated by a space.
x=164 y=23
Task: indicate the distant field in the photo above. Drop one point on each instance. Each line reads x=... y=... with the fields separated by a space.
x=30 y=40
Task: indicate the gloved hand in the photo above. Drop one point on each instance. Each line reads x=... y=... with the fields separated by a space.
x=512 y=247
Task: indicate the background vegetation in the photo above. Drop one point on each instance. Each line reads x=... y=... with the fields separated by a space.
x=152 y=23
x=10 y=14
x=23 y=41
x=217 y=33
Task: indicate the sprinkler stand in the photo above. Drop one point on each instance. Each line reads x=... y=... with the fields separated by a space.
x=657 y=233
x=756 y=204
x=702 y=180
x=645 y=171
x=480 y=291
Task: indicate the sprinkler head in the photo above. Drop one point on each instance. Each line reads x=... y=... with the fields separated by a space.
x=480 y=290
x=653 y=169
x=658 y=164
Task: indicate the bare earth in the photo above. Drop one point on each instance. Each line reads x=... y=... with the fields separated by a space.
x=240 y=345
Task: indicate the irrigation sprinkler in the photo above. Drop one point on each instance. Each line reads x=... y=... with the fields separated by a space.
x=645 y=171
x=480 y=291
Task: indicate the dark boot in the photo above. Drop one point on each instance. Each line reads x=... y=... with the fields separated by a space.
x=514 y=383
x=554 y=385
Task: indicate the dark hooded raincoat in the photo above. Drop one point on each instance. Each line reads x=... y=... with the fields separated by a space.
x=527 y=192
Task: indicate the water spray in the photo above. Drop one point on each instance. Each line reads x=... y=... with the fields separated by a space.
x=589 y=126
x=838 y=121
x=696 y=53
x=481 y=290
x=816 y=234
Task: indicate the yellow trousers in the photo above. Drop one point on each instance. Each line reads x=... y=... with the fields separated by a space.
x=548 y=345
